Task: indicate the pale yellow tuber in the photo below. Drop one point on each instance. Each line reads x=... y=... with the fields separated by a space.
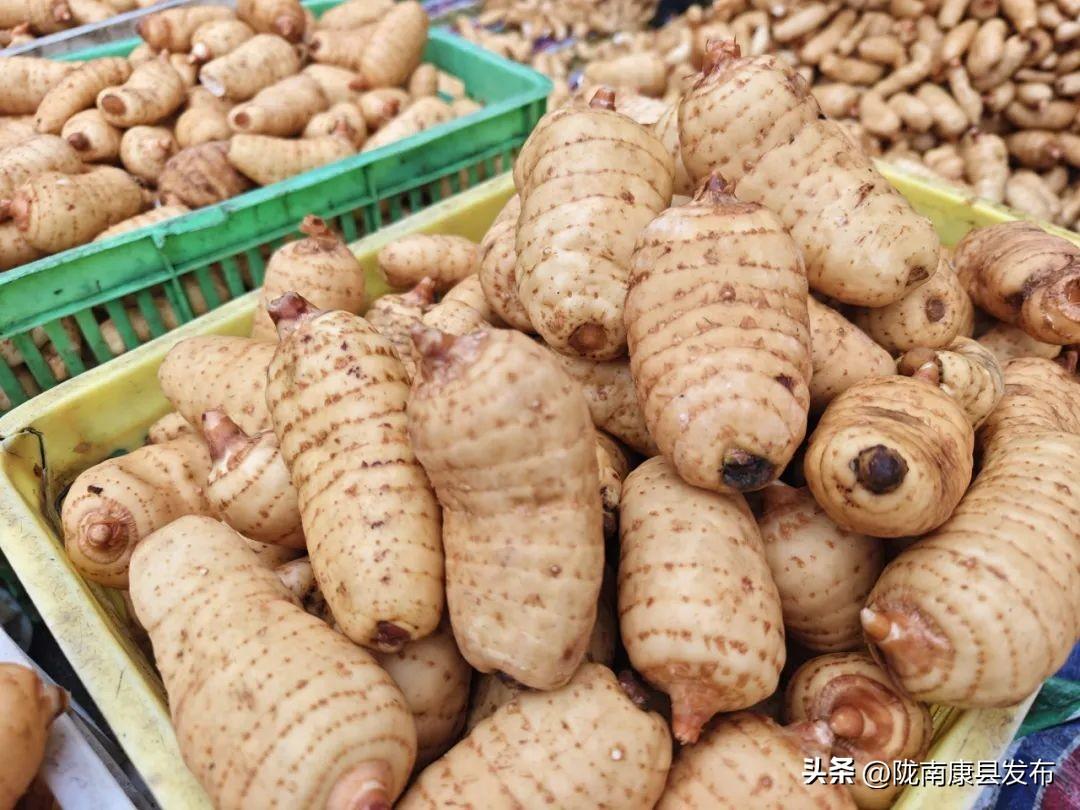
x=266 y=159
x=282 y=109
x=251 y=66
x=446 y=260
x=842 y=355
x=78 y=90
x=153 y=92
x=144 y=151
x=28 y=707
x=94 y=138
x=497 y=266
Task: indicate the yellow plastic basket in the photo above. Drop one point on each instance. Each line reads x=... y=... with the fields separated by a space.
x=50 y=440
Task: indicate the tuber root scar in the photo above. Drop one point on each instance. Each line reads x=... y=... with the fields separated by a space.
x=317 y=228
x=587 y=338
x=365 y=787
x=222 y=434
x=744 y=471
x=104 y=537
x=879 y=469
x=390 y=637
x=422 y=294
x=289 y=310
x=718 y=52
x=905 y=639
x=846 y=721
x=603 y=99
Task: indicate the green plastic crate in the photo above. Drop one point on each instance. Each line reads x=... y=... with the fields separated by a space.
x=220 y=252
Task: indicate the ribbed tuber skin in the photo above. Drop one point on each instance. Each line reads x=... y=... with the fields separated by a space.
x=667 y=130
x=153 y=92
x=422 y=115
x=27 y=708
x=446 y=260
x=497 y=271
x=862 y=242
x=200 y=175
x=434 y=679
x=935 y=618
x=842 y=355
x=26 y=80
x=266 y=159
x=719 y=340
x=614 y=466
x=822 y=572
x=394 y=315
x=891 y=457
x=746 y=761
x=582 y=745
x=612 y=399
x=870 y=718
x=455 y=317
x=171 y=30
x=354 y=13
x=1008 y=342
x=470 y=292
x=78 y=90
x=116 y=504
x=40 y=153
x=144 y=151
x=396 y=46
x=1039 y=396
x=965 y=370
x=337 y=399
x=1025 y=276
x=282 y=109
x=929 y=315
x=341 y=48
x=282 y=17
x=590 y=180
x=54 y=211
x=256 y=685
x=171 y=426
x=517 y=479
x=319 y=267
x=94 y=138
x=218 y=372
x=698 y=610
x=249 y=485
x=243 y=72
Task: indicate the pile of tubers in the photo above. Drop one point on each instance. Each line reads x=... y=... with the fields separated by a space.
x=984 y=95
x=587 y=486
x=211 y=103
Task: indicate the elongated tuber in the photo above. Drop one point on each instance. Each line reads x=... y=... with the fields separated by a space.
x=39 y=16
x=498 y=260
x=747 y=760
x=266 y=159
x=172 y=29
x=282 y=17
x=691 y=563
x=337 y=398
x=590 y=179
x=78 y=90
x=446 y=260
x=517 y=478
x=891 y=457
x=94 y=138
x=871 y=720
x=965 y=370
x=281 y=109
x=217 y=619
x=216 y=372
x=780 y=153
x=719 y=341
x=422 y=115
x=56 y=211
x=395 y=47
x=929 y=315
x=1025 y=276
x=26 y=80
x=982 y=610
x=200 y=175
x=842 y=355
x=217 y=38
x=354 y=13
x=28 y=707
x=205 y=118
x=248 y=485
x=41 y=153
x=523 y=748
x=434 y=679
x=823 y=573
x=247 y=69
x=115 y=505
x=334 y=82
x=153 y=92
x=320 y=267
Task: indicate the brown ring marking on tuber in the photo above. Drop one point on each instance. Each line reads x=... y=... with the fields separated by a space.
x=105 y=533
x=879 y=469
x=744 y=471
x=362 y=788
x=918 y=646
x=846 y=721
